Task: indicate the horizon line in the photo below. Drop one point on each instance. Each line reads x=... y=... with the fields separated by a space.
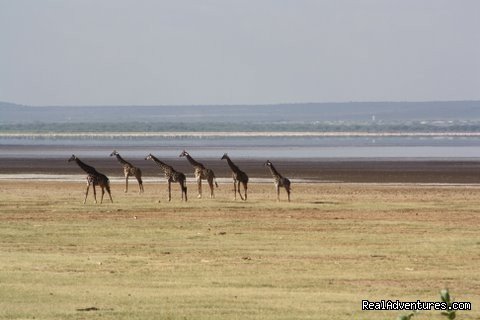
x=235 y=105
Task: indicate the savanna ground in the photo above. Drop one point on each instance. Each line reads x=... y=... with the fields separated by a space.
x=317 y=257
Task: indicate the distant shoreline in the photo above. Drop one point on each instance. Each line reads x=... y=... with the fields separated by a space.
x=226 y=134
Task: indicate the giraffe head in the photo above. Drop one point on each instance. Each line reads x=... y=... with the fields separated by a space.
x=184 y=154
x=268 y=163
x=224 y=157
x=114 y=153
x=149 y=157
x=72 y=158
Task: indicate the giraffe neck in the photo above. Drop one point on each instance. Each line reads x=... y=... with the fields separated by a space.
x=274 y=171
x=165 y=167
x=193 y=162
x=121 y=160
x=88 y=169
x=232 y=165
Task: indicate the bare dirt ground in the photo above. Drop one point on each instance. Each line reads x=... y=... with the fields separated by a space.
x=333 y=170
x=317 y=257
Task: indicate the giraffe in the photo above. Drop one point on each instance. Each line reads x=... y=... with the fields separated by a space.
x=94 y=178
x=238 y=177
x=129 y=170
x=171 y=175
x=279 y=180
x=201 y=173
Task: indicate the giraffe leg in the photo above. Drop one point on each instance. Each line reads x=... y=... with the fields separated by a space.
x=287 y=188
x=126 y=183
x=103 y=193
x=210 y=184
x=109 y=193
x=245 y=188
x=199 y=184
x=183 y=187
x=239 y=192
x=235 y=190
x=86 y=194
x=277 y=186
x=94 y=194
x=140 y=183
x=169 y=190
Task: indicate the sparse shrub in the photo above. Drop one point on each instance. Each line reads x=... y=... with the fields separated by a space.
x=445 y=297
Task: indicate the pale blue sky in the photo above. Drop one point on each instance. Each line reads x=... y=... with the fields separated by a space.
x=145 y=52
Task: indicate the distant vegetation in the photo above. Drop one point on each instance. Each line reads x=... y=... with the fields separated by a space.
x=374 y=127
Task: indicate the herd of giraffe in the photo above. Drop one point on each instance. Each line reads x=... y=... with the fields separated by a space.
x=95 y=178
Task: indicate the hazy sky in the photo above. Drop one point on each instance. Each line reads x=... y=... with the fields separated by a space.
x=146 y=52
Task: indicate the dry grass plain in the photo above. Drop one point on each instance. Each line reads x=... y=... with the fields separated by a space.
x=314 y=258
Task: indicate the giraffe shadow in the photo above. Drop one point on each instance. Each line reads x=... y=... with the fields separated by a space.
x=324 y=202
